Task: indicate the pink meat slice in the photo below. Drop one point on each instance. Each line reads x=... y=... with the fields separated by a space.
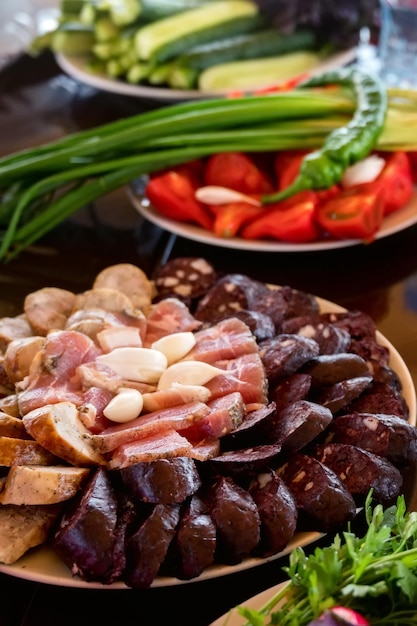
x=166 y=317
x=228 y=339
x=244 y=374
x=161 y=445
x=173 y=418
x=226 y=413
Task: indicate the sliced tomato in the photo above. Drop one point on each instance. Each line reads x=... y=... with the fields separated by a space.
x=396 y=179
x=291 y=220
x=238 y=171
x=355 y=213
x=287 y=166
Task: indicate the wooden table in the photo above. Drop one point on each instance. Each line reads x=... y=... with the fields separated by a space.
x=38 y=103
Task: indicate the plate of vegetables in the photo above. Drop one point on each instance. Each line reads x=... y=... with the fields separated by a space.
x=184 y=200
x=62 y=556
x=185 y=49
x=358 y=580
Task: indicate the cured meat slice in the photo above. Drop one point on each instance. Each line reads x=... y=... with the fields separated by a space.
x=284 y=303
x=228 y=339
x=277 y=509
x=194 y=545
x=12 y=328
x=237 y=520
x=245 y=375
x=87 y=536
x=19 y=357
x=12 y=427
x=298 y=424
x=166 y=317
x=231 y=293
x=173 y=418
x=186 y=278
x=285 y=354
x=323 y=502
x=386 y=435
x=130 y=280
x=41 y=484
x=226 y=412
x=147 y=548
x=328 y=369
x=164 y=481
x=48 y=309
x=162 y=445
x=16 y=451
x=360 y=470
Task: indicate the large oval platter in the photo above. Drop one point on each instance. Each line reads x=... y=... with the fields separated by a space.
x=43 y=565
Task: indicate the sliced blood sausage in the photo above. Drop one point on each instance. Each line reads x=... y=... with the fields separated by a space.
x=277 y=509
x=284 y=303
x=371 y=351
x=237 y=520
x=194 y=545
x=245 y=463
x=252 y=431
x=261 y=325
x=328 y=369
x=378 y=397
x=386 y=435
x=360 y=470
x=339 y=395
x=290 y=389
x=147 y=548
x=285 y=354
x=330 y=338
x=323 y=502
x=162 y=481
x=231 y=293
x=186 y=278
x=298 y=424
x=86 y=537
x=357 y=323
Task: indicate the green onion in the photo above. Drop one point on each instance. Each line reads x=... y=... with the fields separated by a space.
x=42 y=186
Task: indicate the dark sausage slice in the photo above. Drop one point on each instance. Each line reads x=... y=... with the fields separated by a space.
x=386 y=435
x=246 y=463
x=277 y=509
x=87 y=535
x=323 y=502
x=194 y=545
x=360 y=470
x=336 y=397
x=330 y=338
x=147 y=548
x=252 y=431
x=299 y=423
x=357 y=323
x=328 y=369
x=185 y=278
x=285 y=303
x=162 y=481
x=378 y=397
x=284 y=355
x=290 y=389
x=237 y=520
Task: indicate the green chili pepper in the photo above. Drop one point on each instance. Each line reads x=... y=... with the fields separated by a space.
x=345 y=145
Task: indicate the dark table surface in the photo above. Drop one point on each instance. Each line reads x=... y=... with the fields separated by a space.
x=39 y=103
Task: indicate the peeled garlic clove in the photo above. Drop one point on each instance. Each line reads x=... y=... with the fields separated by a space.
x=125 y=406
x=188 y=373
x=213 y=194
x=175 y=346
x=364 y=171
x=142 y=365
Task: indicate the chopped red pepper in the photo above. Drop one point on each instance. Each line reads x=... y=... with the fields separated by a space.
x=238 y=171
x=397 y=180
x=287 y=165
x=230 y=218
x=355 y=213
x=291 y=220
x=172 y=193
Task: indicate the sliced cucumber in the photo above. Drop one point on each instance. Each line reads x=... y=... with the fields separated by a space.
x=72 y=39
x=257 y=73
x=166 y=38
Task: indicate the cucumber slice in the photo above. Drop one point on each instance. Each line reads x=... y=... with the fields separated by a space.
x=257 y=73
x=72 y=39
x=168 y=37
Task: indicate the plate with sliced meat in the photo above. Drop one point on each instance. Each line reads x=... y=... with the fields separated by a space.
x=183 y=403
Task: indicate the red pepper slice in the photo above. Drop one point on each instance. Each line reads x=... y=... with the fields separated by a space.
x=287 y=165
x=396 y=179
x=230 y=218
x=291 y=220
x=355 y=213
x=172 y=193
x=238 y=171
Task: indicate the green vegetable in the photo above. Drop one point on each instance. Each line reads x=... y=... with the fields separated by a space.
x=42 y=186
x=256 y=73
x=166 y=38
x=346 y=145
x=374 y=574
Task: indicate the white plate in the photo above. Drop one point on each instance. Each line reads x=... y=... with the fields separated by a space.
x=397 y=221
x=75 y=66
x=43 y=565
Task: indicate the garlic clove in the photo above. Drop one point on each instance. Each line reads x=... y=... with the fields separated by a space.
x=125 y=406
x=142 y=365
x=175 y=346
x=213 y=194
x=188 y=373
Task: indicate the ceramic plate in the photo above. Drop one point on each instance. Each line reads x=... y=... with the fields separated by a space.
x=400 y=220
x=43 y=565
x=233 y=617
x=75 y=66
